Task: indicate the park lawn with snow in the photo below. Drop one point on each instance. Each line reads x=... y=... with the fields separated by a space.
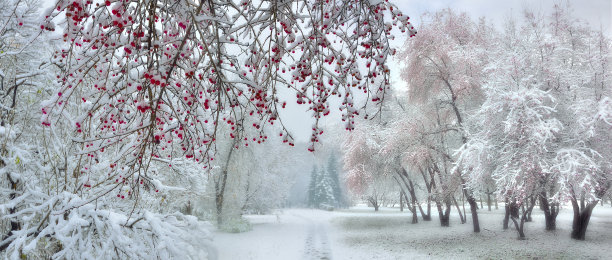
x=361 y=233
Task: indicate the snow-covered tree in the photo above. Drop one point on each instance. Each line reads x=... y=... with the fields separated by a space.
x=580 y=79
x=22 y=83
x=152 y=73
x=268 y=180
x=444 y=70
x=529 y=134
x=324 y=189
x=332 y=171
x=142 y=87
x=321 y=188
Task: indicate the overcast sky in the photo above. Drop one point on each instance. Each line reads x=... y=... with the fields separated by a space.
x=595 y=12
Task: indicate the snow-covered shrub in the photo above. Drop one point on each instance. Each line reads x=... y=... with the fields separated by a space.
x=236 y=225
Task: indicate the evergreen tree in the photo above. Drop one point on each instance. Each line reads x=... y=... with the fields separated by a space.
x=314 y=175
x=324 y=193
x=332 y=170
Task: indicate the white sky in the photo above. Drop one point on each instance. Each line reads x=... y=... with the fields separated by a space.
x=595 y=12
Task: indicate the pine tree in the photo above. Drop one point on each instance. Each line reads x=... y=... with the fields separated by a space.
x=324 y=193
x=314 y=175
x=332 y=170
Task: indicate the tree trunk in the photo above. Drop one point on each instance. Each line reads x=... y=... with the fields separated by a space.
x=519 y=221
x=582 y=215
x=374 y=201
x=480 y=197
x=220 y=184
x=473 y=207
x=507 y=215
x=551 y=210
x=496 y=207
x=444 y=214
x=428 y=216
x=463 y=202
x=488 y=199
x=413 y=198
x=219 y=206
x=412 y=208
x=415 y=202
x=415 y=218
x=401 y=203
x=474 y=211
x=444 y=221
x=531 y=203
x=428 y=183
x=461 y=217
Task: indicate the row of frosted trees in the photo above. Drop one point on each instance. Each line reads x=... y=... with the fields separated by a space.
x=523 y=114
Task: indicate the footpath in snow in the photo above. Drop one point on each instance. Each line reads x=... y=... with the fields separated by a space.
x=294 y=234
x=361 y=233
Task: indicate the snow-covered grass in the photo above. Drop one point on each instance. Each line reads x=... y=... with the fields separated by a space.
x=361 y=233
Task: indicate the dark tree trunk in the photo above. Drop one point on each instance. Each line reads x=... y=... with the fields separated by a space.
x=507 y=215
x=427 y=217
x=401 y=203
x=582 y=215
x=473 y=207
x=444 y=221
x=444 y=214
x=412 y=208
x=374 y=201
x=496 y=207
x=463 y=202
x=529 y=219
x=551 y=222
x=428 y=184
x=413 y=202
x=461 y=216
x=551 y=210
x=519 y=222
x=415 y=218
x=489 y=199
x=529 y=204
x=474 y=211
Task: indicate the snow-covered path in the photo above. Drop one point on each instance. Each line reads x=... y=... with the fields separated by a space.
x=317 y=245
x=361 y=233
x=294 y=234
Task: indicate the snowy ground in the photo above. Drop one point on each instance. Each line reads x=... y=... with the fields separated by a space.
x=361 y=233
